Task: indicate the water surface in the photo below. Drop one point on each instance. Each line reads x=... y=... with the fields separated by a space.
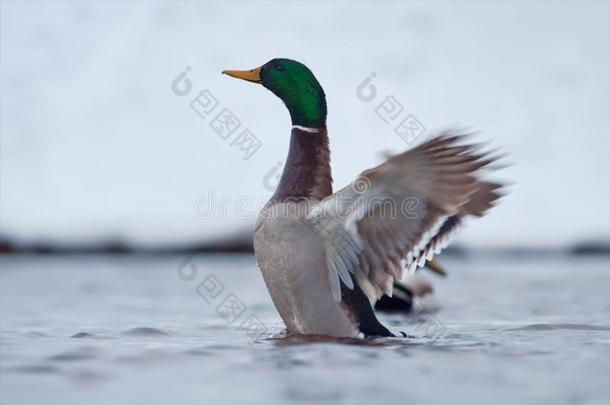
x=158 y=330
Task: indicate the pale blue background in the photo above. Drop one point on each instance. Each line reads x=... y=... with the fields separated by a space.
x=95 y=145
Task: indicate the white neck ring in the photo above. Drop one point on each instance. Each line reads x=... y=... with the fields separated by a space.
x=307 y=129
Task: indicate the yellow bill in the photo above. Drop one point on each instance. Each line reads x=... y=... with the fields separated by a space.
x=436 y=267
x=253 y=75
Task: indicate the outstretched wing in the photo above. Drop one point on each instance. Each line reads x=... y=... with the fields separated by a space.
x=400 y=213
x=480 y=202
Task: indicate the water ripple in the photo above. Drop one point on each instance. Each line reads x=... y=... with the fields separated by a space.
x=145 y=331
x=36 y=369
x=560 y=326
x=85 y=353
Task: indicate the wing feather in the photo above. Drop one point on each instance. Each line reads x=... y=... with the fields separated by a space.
x=412 y=205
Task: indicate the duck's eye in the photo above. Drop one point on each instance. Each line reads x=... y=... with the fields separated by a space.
x=279 y=67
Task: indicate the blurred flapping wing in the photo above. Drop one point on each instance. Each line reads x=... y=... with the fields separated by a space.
x=400 y=213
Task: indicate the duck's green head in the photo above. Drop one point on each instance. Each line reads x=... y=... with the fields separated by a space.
x=294 y=83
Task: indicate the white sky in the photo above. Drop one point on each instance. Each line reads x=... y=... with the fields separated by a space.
x=95 y=144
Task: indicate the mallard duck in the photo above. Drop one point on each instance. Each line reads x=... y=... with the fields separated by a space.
x=327 y=258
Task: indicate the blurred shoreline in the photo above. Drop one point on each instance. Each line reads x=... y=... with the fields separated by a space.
x=242 y=243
